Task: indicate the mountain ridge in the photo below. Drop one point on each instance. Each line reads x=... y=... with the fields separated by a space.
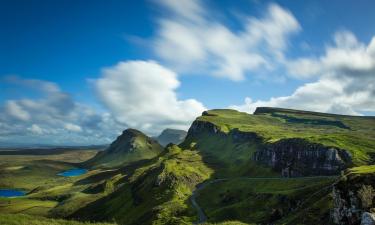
x=131 y=146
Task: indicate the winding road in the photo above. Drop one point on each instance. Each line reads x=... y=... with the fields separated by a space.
x=202 y=218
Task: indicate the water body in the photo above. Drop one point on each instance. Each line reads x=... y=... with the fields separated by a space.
x=9 y=193
x=73 y=172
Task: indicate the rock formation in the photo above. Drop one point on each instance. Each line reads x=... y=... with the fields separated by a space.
x=298 y=157
x=353 y=200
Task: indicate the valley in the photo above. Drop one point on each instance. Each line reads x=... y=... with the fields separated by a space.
x=276 y=166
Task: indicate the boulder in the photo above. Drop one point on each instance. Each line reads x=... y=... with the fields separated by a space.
x=367 y=218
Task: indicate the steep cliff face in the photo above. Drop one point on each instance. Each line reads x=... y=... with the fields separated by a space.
x=353 y=200
x=292 y=157
x=298 y=157
x=202 y=127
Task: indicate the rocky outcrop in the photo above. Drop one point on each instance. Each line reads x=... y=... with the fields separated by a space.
x=368 y=218
x=199 y=128
x=352 y=204
x=292 y=157
x=202 y=127
x=297 y=157
x=346 y=207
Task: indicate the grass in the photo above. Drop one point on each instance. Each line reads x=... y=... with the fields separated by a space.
x=257 y=200
x=228 y=223
x=47 y=193
x=230 y=159
x=28 y=172
x=26 y=206
x=362 y=170
x=140 y=188
x=355 y=134
x=21 y=219
x=131 y=146
x=155 y=192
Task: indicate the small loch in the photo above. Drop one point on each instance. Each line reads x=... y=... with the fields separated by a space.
x=10 y=193
x=72 y=172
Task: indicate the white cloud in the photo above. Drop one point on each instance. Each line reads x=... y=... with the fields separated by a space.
x=191 y=40
x=347 y=56
x=346 y=80
x=72 y=127
x=35 y=129
x=142 y=95
x=16 y=111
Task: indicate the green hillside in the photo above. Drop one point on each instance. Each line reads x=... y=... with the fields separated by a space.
x=154 y=192
x=353 y=133
x=20 y=219
x=212 y=177
x=131 y=146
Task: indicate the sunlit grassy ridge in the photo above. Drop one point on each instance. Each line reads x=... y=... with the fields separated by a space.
x=353 y=133
x=263 y=200
x=20 y=219
x=156 y=192
x=129 y=147
x=362 y=170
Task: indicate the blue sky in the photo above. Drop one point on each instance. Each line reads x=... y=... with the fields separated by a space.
x=101 y=66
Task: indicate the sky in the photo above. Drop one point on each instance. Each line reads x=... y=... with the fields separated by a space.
x=77 y=72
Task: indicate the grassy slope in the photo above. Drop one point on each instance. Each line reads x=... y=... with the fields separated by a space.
x=144 y=149
x=231 y=159
x=361 y=170
x=20 y=219
x=48 y=193
x=227 y=158
x=156 y=192
x=327 y=129
x=256 y=200
x=31 y=171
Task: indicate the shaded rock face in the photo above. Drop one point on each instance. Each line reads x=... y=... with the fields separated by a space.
x=171 y=136
x=297 y=157
x=202 y=127
x=368 y=219
x=292 y=157
x=348 y=207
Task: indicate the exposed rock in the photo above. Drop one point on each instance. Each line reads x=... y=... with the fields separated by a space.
x=347 y=205
x=291 y=157
x=240 y=136
x=297 y=157
x=367 y=218
x=202 y=127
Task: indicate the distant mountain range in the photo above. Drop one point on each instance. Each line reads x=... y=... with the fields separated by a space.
x=171 y=136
